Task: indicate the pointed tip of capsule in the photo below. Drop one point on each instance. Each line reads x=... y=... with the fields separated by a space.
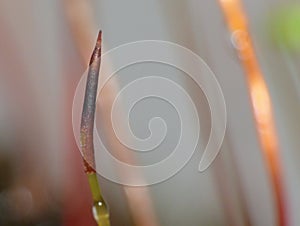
x=97 y=50
x=99 y=39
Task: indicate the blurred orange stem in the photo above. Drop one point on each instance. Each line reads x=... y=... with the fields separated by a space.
x=260 y=99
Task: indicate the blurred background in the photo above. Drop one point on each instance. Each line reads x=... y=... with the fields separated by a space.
x=44 y=50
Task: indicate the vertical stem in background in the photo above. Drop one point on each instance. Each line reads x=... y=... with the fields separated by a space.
x=260 y=99
x=79 y=15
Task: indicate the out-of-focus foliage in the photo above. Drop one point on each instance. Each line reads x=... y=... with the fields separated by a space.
x=285 y=27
